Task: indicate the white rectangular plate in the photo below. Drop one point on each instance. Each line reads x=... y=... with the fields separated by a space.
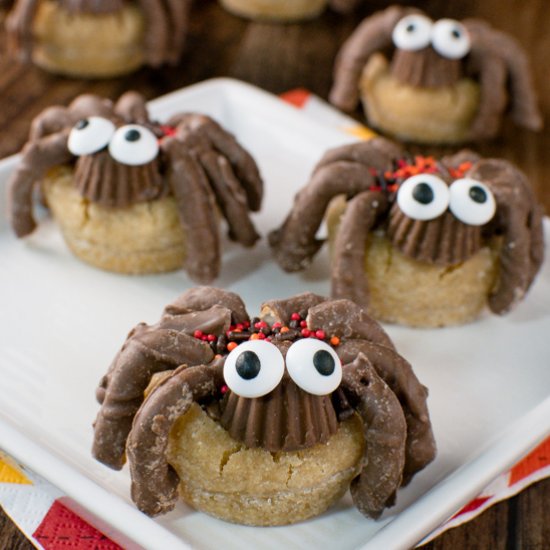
x=61 y=323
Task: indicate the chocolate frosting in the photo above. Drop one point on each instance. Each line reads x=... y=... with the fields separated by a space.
x=444 y=241
x=496 y=61
x=377 y=384
x=166 y=25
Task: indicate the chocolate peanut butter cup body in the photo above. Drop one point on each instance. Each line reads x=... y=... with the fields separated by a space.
x=266 y=420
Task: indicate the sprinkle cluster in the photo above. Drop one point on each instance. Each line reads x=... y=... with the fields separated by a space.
x=390 y=180
x=260 y=330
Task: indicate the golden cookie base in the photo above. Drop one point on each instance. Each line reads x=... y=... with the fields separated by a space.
x=421 y=115
x=408 y=292
x=86 y=45
x=142 y=238
x=278 y=10
x=225 y=479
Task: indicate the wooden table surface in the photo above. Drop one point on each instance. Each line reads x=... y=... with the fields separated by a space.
x=278 y=58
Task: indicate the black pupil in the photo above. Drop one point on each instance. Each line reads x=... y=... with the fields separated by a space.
x=248 y=365
x=455 y=33
x=81 y=124
x=132 y=135
x=411 y=27
x=477 y=194
x=423 y=193
x=323 y=362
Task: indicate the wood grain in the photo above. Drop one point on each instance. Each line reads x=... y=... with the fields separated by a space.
x=281 y=57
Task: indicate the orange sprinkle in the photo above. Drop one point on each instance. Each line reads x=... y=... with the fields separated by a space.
x=284 y=329
x=335 y=341
x=231 y=346
x=255 y=336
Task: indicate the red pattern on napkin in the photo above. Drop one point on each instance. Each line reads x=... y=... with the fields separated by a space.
x=62 y=528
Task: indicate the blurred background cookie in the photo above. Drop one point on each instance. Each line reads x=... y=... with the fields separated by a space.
x=441 y=81
x=98 y=39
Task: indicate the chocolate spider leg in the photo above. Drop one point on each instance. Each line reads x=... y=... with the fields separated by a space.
x=346 y=319
x=348 y=275
x=197 y=209
x=385 y=434
x=493 y=97
x=178 y=15
x=489 y=43
x=148 y=350
x=19 y=25
x=280 y=311
x=398 y=374
x=372 y=35
x=203 y=298
x=377 y=153
x=132 y=106
x=518 y=220
x=231 y=197
x=157 y=32
x=294 y=243
x=154 y=481
x=38 y=157
x=243 y=164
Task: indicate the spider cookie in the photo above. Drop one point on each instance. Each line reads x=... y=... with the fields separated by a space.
x=445 y=81
x=418 y=241
x=98 y=39
x=135 y=196
x=262 y=421
x=285 y=10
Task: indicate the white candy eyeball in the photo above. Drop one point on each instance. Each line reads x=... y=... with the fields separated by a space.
x=134 y=145
x=413 y=32
x=450 y=39
x=253 y=368
x=90 y=135
x=472 y=202
x=423 y=197
x=314 y=366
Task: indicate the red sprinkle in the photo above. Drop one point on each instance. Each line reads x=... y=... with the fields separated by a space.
x=306 y=332
x=277 y=325
x=295 y=317
x=224 y=389
x=303 y=324
x=261 y=336
x=198 y=334
x=260 y=324
x=320 y=334
x=204 y=338
x=211 y=338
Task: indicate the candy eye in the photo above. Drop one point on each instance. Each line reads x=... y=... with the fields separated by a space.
x=450 y=39
x=134 y=145
x=423 y=197
x=413 y=32
x=314 y=366
x=253 y=368
x=90 y=135
x=472 y=202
